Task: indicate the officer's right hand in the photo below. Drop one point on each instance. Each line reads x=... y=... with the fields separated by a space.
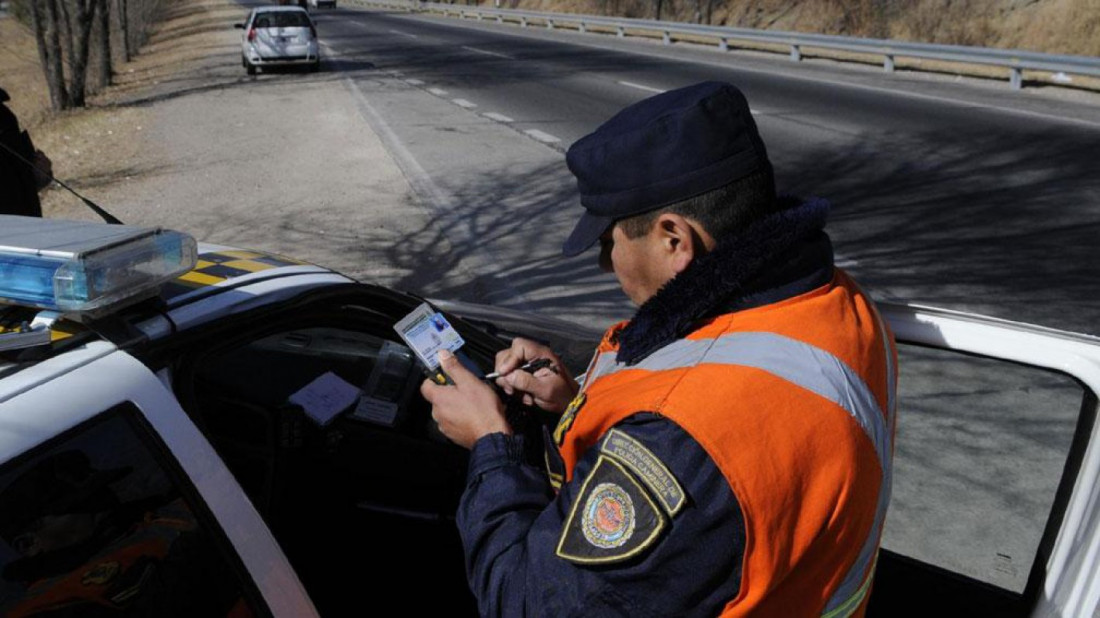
x=551 y=388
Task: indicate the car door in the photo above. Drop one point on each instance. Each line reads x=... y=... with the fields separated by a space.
x=995 y=502
x=111 y=499
x=366 y=481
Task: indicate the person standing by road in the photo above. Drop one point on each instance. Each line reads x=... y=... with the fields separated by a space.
x=729 y=449
x=24 y=170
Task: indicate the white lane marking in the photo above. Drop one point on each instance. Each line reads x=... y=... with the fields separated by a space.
x=816 y=80
x=489 y=53
x=464 y=103
x=841 y=262
x=439 y=92
x=497 y=117
x=641 y=87
x=431 y=194
x=659 y=91
x=545 y=138
x=410 y=35
x=414 y=82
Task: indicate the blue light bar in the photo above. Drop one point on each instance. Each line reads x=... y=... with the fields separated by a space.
x=79 y=267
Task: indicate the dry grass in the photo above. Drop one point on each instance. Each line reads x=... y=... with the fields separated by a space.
x=21 y=75
x=1054 y=26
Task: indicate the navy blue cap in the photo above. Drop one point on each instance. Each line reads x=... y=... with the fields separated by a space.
x=659 y=151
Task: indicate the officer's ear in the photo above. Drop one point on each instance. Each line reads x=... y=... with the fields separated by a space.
x=681 y=239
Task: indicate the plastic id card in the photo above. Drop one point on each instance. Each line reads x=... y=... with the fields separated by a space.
x=427 y=332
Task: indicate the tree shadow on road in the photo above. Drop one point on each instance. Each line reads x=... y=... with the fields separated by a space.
x=1003 y=224
x=936 y=222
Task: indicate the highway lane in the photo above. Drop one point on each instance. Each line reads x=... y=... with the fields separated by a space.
x=958 y=195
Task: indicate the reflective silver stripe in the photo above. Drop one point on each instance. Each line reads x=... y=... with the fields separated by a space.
x=799 y=363
x=602 y=364
x=853 y=588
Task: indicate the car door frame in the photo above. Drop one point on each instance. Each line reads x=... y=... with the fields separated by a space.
x=1065 y=577
x=32 y=416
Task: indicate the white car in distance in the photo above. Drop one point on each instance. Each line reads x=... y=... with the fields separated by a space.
x=279 y=36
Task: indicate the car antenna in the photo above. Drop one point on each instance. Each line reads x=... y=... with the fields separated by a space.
x=108 y=217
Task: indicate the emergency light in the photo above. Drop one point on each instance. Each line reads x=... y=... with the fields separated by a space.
x=82 y=267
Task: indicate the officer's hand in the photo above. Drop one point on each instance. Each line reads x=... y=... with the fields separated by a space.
x=551 y=388
x=466 y=410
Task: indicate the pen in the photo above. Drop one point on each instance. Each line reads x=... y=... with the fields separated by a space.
x=531 y=367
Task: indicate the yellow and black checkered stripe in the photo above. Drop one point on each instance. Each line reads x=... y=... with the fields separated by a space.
x=12 y=320
x=218 y=266
x=212 y=268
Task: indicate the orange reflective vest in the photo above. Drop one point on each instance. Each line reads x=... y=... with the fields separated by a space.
x=794 y=403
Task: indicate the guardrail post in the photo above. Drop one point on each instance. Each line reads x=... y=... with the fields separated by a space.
x=796 y=53
x=667 y=38
x=583 y=30
x=621 y=32
x=500 y=19
x=888 y=63
x=479 y=15
x=523 y=22
x=549 y=24
x=1016 y=78
x=723 y=44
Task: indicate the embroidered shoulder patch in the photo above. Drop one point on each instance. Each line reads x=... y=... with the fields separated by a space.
x=643 y=463
x=612 y=519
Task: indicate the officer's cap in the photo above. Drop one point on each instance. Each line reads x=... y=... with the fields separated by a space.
x=659 y=151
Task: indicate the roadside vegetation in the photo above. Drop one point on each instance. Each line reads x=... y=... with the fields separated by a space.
x=1052 y=26
x=77 y=41
x=100 y=144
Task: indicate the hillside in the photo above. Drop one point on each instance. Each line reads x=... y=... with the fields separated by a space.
x=1053 y=26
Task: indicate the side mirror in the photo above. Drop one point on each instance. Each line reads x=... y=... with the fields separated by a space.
x=239 y=26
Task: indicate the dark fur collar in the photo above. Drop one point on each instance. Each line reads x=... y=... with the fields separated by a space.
x=780 y=256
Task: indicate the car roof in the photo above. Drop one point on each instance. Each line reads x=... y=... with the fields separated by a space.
x=275 y=8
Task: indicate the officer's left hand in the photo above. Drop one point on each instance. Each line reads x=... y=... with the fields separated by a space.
x=466 y=410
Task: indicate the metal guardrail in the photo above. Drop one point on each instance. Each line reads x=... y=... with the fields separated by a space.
x=1016 y=61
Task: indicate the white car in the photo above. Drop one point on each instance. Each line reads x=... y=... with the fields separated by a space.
x=320 y=3
x=194 y=430
x=279 y=36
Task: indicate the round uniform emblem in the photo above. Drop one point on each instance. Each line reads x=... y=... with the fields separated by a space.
x=608 y=520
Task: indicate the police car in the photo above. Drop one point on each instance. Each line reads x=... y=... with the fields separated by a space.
x=195 y=430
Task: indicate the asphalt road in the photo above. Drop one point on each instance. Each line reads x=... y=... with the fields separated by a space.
x=946 y=192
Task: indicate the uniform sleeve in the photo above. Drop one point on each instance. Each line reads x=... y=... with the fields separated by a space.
x=512 y=527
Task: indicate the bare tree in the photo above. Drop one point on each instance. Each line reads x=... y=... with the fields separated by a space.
x=80 y=27
x=103 y=30
x=47 y=34
x=124 y=28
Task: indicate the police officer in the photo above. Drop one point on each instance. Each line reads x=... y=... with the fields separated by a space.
x=729 y=450
x=23 y=168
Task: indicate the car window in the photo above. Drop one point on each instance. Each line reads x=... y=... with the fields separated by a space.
x=282 y=19
x=324 y=428
x=980 y=452
x=99 y=520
